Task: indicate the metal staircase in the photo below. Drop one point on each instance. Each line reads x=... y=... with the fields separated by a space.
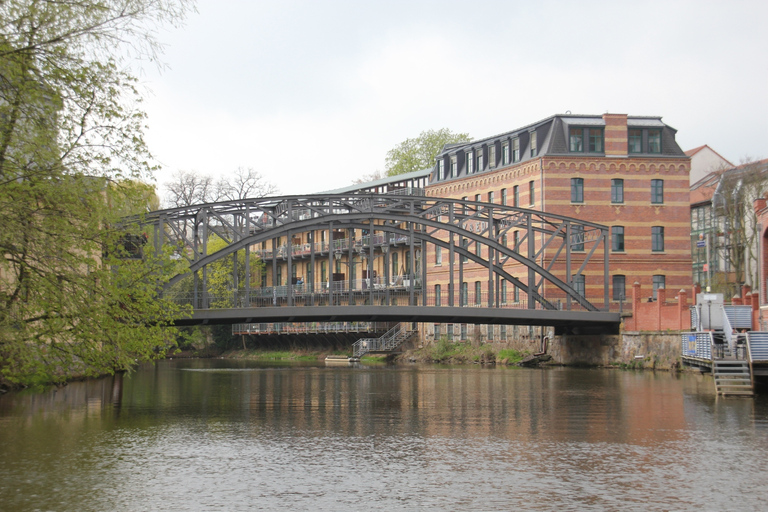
x=388 y=342
x=732 y=377
x=730 y=366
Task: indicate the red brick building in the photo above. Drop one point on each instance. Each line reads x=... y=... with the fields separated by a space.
x=626 y=172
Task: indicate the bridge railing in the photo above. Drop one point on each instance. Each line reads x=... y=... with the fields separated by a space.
x=309 y=327
x=342 y=295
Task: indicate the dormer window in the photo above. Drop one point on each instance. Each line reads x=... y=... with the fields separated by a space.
x=515 y=150
x=480 y=160
x=505 y=153
x=534 y=146
x=576 y=140
x=640 y=140
x=492 y=156
x=654 y=141
x=441 y=169
x=594 y=138
x=454 y=166
x=470 y=161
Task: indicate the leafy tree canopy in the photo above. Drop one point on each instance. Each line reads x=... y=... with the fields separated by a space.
x=419 y=153
x=74 y=298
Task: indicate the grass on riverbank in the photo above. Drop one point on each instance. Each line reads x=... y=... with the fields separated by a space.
x=445 y=351
x=280 y=355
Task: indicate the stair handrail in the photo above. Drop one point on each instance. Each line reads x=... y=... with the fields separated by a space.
x=728 y=330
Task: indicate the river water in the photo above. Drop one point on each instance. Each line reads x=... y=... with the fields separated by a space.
x=234 y=435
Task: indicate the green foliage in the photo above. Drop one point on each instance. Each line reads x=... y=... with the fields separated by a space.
x=420 y=152
x=223 y=283
x=73 y=300
x=511 y=355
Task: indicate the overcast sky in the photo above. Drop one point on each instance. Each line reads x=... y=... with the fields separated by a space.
x=312 y=94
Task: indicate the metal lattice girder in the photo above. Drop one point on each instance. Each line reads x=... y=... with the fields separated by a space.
x=435 y=220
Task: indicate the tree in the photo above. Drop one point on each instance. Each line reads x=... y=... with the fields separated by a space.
x=226 y=279
x=733 y=203
x=365 y=178
x=74 y=297
x=420 y=152
x=188 y=188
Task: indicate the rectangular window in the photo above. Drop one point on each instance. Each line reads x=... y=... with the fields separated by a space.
x=577 y=190
x=576 y=140
x=440 y=170
x=323 y=272
x=478 y=197
x=657 y=238
x=516 y=240
x=504 y=240
x=531 y=195
x=463 y=332
x=654 y=141
x=395 y=269
x=515 y=150
x=478 y=292
x=635 y=141
x=279 y=281
x=437 y=295
x=504 y=197
x=464 y=245
x=454 y=169
x=491 y=197
x=577 y=237
x=505 y=153
x=658 y=282
x=617 y=238
x=516 y=294
x=478 y=249
x=503 y=291
x=492 y=156
x=464 y=294
x=595 y=140
x=617 y=191
x=579 y=284
x=480 y=160
x=619 y=287
x=657 y=191
x=470 y=162
x=515 y=196
x=503 y=332
x=438 y=255
x=534 y=145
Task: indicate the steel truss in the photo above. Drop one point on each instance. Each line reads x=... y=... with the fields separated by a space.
x=448 y=223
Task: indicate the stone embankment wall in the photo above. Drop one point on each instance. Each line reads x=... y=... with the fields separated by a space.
x=641 y=349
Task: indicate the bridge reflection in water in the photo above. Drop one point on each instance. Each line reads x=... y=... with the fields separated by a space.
x=385 y=258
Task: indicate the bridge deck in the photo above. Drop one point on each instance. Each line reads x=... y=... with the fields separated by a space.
x=563 y=321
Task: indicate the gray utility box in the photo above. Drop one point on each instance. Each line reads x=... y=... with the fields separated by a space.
x=710 y=307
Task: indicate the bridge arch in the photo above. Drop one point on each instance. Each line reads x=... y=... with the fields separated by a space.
x=557 y=249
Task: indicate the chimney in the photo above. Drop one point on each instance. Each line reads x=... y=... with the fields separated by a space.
x=615 y=134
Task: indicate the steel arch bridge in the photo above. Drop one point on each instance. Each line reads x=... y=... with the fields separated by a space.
x=548 y=249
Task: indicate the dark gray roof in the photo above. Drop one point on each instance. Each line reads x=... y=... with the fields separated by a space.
x=552 y=139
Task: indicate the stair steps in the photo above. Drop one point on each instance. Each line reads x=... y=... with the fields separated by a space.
x=732 y=377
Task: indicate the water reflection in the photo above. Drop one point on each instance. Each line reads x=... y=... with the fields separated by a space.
x=237 y=436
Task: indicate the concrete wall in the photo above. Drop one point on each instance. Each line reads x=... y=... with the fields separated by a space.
x=647 y=349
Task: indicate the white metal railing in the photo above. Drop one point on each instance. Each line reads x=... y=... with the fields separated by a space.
x=757 y=346
x=308 y=327
x=697 y=344
x=728 y=331
x=388 y=341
